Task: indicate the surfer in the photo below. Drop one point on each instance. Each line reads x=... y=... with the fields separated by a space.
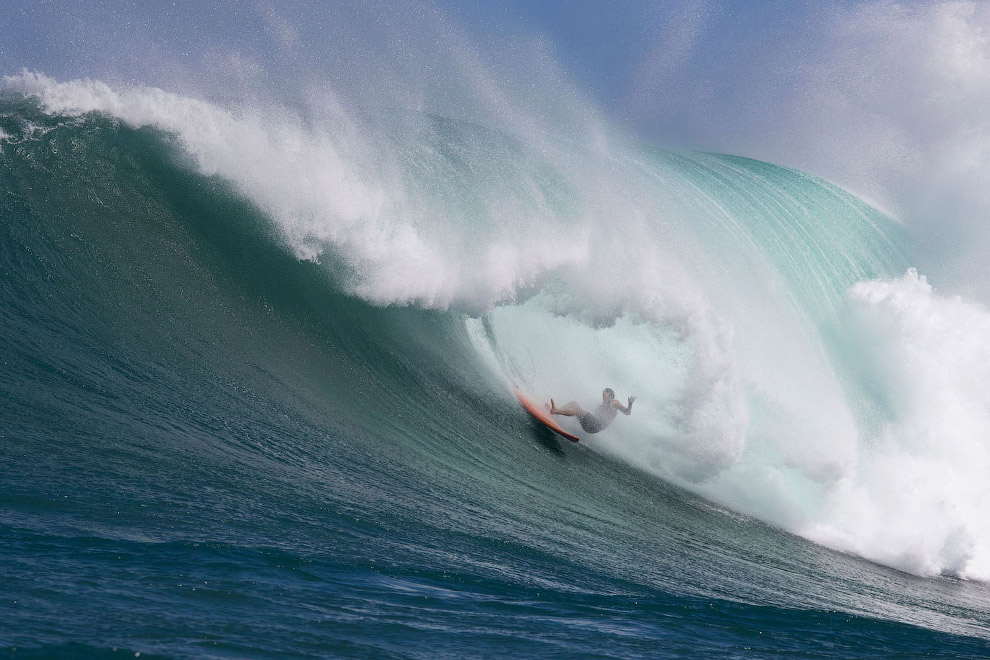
x=603 y=416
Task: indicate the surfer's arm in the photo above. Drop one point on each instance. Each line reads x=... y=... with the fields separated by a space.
x=626 y=410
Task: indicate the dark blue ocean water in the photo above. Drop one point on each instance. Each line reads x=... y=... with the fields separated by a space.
x=209 y=451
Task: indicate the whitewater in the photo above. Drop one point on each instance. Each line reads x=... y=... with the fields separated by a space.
x=344 y=301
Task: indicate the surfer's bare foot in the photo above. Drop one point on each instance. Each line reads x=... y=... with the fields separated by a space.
x=553 y=408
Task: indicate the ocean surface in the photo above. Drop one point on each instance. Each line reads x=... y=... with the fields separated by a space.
x=256 y=375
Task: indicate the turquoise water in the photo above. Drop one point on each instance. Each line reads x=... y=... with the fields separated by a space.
x=214 y=448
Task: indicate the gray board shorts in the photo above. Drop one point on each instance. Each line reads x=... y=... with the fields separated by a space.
x=590 y=423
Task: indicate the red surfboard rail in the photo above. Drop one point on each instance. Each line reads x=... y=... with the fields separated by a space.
x=542 y=415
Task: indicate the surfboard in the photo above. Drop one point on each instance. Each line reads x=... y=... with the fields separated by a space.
x=542 y=415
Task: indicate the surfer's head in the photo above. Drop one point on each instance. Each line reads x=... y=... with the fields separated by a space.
x=608 y=394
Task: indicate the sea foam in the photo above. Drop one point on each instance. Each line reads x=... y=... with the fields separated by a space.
x=917 y=495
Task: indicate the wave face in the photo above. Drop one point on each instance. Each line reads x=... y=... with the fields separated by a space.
x=257 y=382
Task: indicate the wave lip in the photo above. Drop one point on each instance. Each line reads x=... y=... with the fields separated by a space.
x=340 y=189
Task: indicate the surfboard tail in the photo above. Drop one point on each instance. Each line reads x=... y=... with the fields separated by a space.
x=542 y=415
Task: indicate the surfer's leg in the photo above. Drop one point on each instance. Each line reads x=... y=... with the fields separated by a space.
x=570 y=409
